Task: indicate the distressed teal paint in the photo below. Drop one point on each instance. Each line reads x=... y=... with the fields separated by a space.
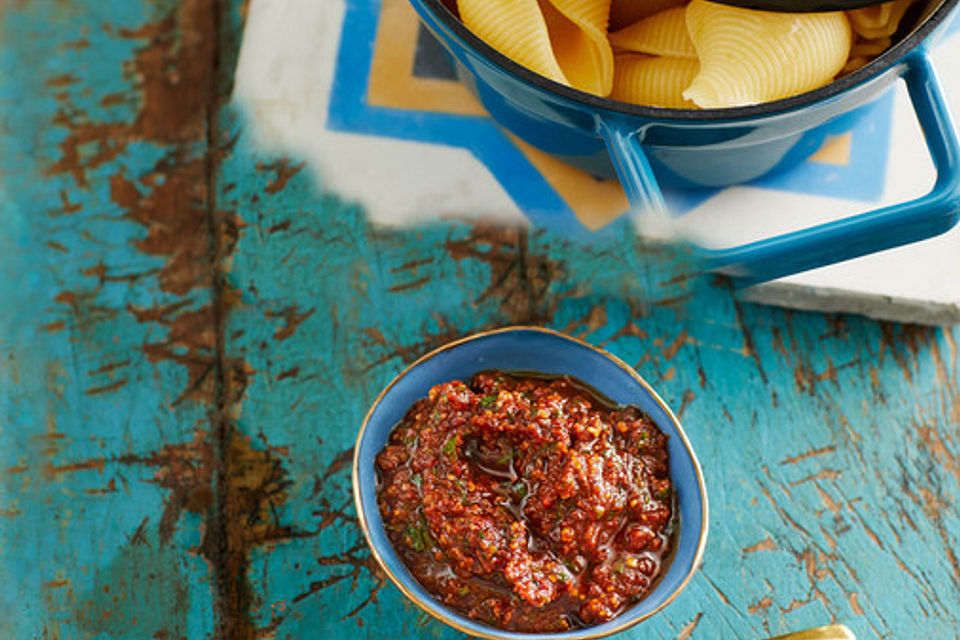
x=829 y=443
x=71 y=562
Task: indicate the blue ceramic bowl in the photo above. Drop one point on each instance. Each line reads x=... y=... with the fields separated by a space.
x=541 y=350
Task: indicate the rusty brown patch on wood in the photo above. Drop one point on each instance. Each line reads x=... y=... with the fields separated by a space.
x=110 y=488
x=411 y=265
x=767 y=544
x=56 y=584
x=765 y=603
x=376 y=335
x=749 y=346
x=804 y=378
x=824 y=474
x=594 y=319
x=252 y=486
x=808 y=454
x=62 y=80
x=687 y=630
x=109 y=140
x=679 y=279
x=630 y=328
x=675 y=303
x=292 y=317
x=113 y=386
x=83 y=305
x=186 y=471
x=854 y=599
x=339 y=462
x=76 y=45
x=520 y=279
x=909 y=336
x=283 y=170
x=933 y=442
x=113 y=99
x=830 y=373
x=947 y=378
x=190 y=342
x=159 y=313
x=110 y=366
x=68 y=207
x=101 y=272
x=409 y=352
x=688 y=397
x=51 y=470
x=292 y=372
x=827 y=500
x=174 y=214
x=408 y=286
x=280 y=226
x=670 y=352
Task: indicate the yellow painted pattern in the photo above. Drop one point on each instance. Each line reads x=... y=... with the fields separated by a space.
x=392 y=83
x=835 y=150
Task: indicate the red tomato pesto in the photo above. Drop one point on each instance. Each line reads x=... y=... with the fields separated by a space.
x=526 y=502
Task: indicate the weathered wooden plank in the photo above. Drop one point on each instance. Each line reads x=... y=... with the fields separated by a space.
x=108 y=346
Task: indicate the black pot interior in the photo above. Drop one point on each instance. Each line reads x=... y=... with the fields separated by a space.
x=922 y=18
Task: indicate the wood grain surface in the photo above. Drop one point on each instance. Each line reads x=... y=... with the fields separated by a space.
x=192 y=330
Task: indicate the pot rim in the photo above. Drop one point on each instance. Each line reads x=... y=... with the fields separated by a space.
x=874 y=68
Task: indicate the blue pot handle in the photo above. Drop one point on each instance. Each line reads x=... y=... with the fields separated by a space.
x=821 y=245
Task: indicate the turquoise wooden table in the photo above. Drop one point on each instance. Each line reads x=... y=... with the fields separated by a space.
x=192 y=330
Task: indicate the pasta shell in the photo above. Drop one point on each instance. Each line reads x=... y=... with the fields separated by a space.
x=748 y=57
x=854 y=63
x=627 y=12
x=879 y=20
x=515 y=28
x=657 y=82
x=578 y=34
x=662 y=34
x=869 y=47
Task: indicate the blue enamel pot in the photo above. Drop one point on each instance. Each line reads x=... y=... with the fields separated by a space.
x=649 y=147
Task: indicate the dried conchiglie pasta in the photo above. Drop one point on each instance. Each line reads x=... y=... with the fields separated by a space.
x=627 y=12
x=879 y=20
x=578 y=35
x=662 y=34
x=748 y=57
x=869 y=47
x=653 y=81
x=515 y=28
x=854 y=63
